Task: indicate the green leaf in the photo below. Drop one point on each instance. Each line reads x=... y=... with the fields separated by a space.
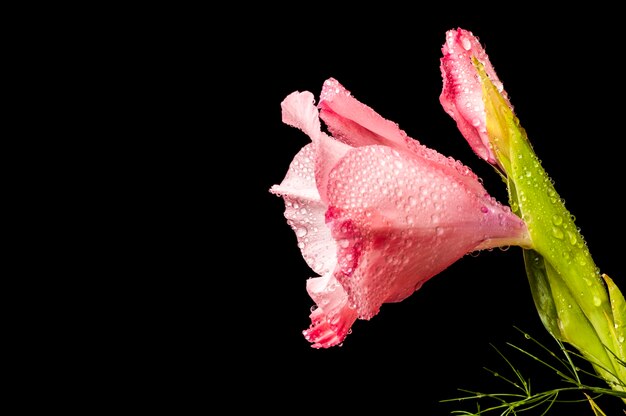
x=540 y=289
x=618 y=320
x=576 y=329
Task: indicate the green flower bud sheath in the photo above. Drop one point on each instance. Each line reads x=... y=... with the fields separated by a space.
x=575 y=302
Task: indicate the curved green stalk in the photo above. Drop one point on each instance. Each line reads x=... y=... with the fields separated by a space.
x=573 y=300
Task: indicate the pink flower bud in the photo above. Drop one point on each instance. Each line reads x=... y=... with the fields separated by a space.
x=463 y=97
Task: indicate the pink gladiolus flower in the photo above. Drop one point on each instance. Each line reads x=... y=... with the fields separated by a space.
x=462 y=94
x=376 y=214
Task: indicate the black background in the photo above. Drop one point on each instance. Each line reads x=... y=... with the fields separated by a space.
x=564 y=79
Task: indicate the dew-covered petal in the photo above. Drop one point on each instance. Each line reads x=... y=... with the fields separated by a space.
x=399 y=220
x=299 y=110
x=447 y=164
x=332 y=317
x=353 y=122
x=305 y=212
x=300 y=178
x=328 y=152
x=462 y=95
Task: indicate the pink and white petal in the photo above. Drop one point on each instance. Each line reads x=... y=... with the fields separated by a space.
x=461 y=98
x=462 y=95
x=399 y=220
x=305 y=212
x=466 y=40
x=358 y=125
x=396 y=263
x=392 y=262
x=299 y=110
x=328 y=152
x=353 y=122
x=501 y=227
x=447 y=164
x=473 y=131
x=398 y=186
x=300 y=178
x=333 y=317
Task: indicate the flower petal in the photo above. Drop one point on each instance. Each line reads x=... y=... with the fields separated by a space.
x=399 y=220
x=354 y=123
x=328 y=152
x=332 y=319
x=299 y=110
x=462 y=95
x=305 y=212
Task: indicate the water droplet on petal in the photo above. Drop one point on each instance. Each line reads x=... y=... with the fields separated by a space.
x=467 y=45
